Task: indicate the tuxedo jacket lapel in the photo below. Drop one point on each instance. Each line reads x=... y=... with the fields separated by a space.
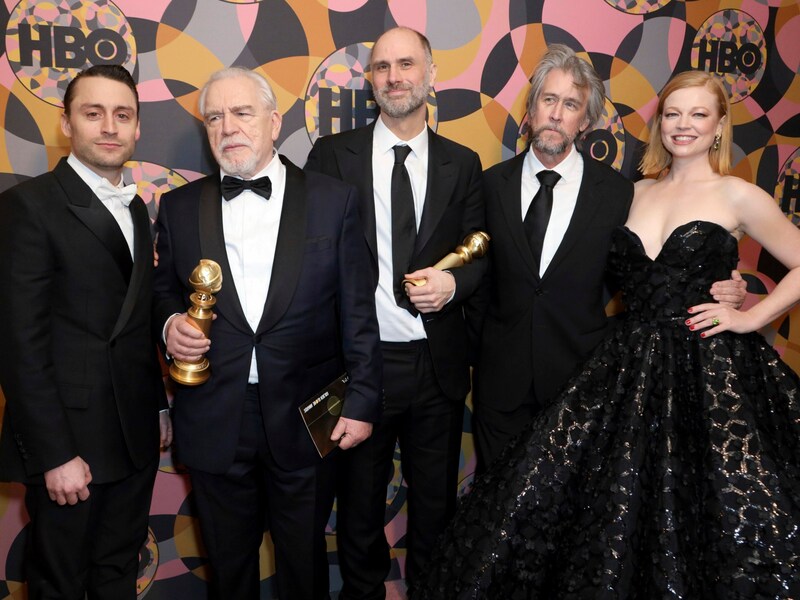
x=143 y=257
x=510 y=200
x=212 y=246
x=584 y=213
x=96 y=217
x=289 y=250
x=439 y=192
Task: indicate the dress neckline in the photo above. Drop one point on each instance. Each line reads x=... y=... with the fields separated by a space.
x=672 y=235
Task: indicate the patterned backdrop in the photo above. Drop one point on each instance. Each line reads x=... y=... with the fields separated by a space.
x=315 y=52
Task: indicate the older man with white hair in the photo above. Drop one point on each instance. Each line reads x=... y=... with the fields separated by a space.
x=296 y=309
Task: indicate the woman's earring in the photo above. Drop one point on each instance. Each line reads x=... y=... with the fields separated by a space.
x=716 y=142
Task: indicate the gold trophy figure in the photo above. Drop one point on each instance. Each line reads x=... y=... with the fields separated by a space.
x=474 y=245
x=206 y=279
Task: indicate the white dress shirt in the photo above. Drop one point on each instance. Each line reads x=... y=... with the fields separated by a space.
x=250 y=224
x=565 y=196
x=118 y=210
x=396 y=324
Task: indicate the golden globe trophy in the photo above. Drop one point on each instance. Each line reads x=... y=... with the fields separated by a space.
x=206 y=279
x=474 y=245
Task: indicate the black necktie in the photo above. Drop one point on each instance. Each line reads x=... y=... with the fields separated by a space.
x=539 y=212
x=233 y=186
x=404 y=226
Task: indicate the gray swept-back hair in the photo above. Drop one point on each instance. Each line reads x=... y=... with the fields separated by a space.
x=559 y=56
x=265 y=89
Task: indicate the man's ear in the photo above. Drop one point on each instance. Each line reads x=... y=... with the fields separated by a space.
x=66 y=128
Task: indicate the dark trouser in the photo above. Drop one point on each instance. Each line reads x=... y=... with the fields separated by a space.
x=234 y=508
x=428 y=426
x=493 y=429
x=90 y=548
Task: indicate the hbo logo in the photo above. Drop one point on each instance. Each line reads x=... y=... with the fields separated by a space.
x=725 y=57
x=69 y=47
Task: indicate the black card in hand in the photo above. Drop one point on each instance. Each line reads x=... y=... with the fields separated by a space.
x=322 y=412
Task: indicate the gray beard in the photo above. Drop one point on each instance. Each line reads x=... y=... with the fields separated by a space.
x=244 y=168
x=397 y=109
x=549 y=148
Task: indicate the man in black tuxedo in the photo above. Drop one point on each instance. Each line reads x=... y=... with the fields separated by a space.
x=296 y=309
x=541 y=306
x=423 y=332
x=79 y=368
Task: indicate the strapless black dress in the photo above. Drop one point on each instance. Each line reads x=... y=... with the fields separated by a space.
x=668 y=468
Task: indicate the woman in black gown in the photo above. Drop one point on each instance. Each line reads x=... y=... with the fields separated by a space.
x=670 y=466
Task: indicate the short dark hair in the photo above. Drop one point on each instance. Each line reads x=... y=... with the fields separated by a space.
x=113 y=72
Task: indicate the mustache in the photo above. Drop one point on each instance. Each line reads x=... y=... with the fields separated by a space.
x=396 y=86
x=539 y=130
x=225 y=144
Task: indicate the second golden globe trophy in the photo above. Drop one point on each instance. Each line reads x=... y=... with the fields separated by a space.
x=206 y=279
x=474 y=245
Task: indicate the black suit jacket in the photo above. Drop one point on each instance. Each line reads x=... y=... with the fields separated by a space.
x=540 y=330
x=453 y=208
x=318 y=320
x=79 y=367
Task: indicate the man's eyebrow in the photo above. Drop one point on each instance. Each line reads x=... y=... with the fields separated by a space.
x=560 y=97
x=100 y=106
x=218 y=111
x=402 y=59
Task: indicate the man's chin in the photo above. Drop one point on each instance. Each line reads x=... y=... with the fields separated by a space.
x=552 y=148
x=398 y=110
x=111 y=162
x=235 y=167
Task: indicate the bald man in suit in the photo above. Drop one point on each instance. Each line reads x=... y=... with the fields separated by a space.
x=423 y=330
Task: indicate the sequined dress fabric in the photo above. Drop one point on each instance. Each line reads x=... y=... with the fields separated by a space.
x=669 y=467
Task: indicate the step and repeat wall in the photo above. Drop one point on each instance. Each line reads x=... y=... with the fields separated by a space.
x=316 y=54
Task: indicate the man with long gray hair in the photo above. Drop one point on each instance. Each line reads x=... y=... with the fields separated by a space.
x=550 y=212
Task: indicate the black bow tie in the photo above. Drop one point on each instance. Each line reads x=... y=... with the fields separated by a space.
x=232 y=187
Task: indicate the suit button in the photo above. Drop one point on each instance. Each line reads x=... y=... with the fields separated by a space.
x=113 y=343
x=257 y=339
x=539 y=292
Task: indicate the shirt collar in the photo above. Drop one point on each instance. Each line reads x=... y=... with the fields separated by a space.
x=565 y=168
x=89 y=177
x=383 y=140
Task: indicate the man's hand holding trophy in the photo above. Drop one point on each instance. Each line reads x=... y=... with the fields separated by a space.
x=430 y=289
x=206 y=279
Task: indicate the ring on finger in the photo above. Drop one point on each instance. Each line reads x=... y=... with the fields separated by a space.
x=715 y=321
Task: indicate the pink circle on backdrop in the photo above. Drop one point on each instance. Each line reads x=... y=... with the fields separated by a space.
x=600 y=26
x=786 y=42
x=675 y=37
x=344 y=5
x=152 y=10
x=410 y=13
